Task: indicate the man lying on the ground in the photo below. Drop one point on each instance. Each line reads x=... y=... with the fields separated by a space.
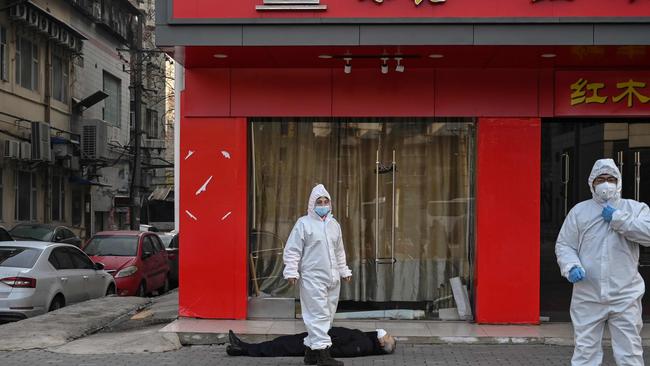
x=345 y=343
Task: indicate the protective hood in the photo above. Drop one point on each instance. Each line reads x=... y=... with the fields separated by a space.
x=605 y=166
x=318 y=191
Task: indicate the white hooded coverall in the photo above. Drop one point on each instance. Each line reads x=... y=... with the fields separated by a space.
x=612 y=288
x=315 y=255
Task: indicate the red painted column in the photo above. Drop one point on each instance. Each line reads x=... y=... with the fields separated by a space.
x=213 y=218
x=508 y=220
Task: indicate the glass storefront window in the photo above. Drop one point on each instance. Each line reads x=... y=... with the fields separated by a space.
x=402 y=191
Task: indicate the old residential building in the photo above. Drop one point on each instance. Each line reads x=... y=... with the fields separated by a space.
x=64 y=112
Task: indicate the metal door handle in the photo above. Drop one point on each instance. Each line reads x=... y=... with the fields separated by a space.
x=637 y=175
x=64 y=279
x=620 y=157
x=565 y=181
x=85 y=277
x=377 y=207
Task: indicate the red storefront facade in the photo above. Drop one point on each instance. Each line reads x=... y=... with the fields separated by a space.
x=507 y=65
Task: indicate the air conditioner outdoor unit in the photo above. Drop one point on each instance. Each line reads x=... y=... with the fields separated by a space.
x=12 y=149
x=41 y=145
x=94 y=136
x=33 y=18
x=54 y=31
x=63 y=36
x=44 y=24
x=72 y=43
x=18 y=12
x=25 y=151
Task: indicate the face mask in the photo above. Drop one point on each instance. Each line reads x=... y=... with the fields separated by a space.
x=605 y=191
x=322 y=210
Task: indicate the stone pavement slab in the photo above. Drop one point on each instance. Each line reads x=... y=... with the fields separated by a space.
x=71 y=322
x=147 y=340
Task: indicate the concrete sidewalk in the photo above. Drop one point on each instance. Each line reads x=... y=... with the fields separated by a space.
x=202 y=331
x=71 y=322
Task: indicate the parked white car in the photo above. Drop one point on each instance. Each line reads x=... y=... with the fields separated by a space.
x=37 y=277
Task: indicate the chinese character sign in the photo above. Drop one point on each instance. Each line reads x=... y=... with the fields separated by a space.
x=599 y=93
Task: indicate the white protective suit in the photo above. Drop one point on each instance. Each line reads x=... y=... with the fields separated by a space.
x=612 y=288
x=315 y=255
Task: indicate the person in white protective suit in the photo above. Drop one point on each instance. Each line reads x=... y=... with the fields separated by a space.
x=598 y=251
x=314 y=257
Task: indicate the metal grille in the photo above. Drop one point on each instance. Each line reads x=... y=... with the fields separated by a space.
x=89 y=143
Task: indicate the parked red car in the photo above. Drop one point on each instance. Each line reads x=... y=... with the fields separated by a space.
x=136 y=259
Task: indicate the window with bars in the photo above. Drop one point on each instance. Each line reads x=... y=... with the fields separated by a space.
x=26 y=63
x=112 y=104
x=58 y=198
x=60 y=78
x=151 y=127
x=25 y=193
x=4 y=59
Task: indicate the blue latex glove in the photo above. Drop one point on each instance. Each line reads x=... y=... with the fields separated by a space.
x=576 y=274
x=608 y=212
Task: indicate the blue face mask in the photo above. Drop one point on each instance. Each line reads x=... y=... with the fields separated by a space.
x=322 y=211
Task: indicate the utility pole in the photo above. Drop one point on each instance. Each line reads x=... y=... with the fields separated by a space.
x=136 y=83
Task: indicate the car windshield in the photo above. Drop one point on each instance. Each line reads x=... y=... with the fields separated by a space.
x=18 y=257
x=32 y=232
x=166 y=240
x=113 y=246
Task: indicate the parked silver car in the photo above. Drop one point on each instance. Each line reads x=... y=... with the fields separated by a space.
x=37 y=277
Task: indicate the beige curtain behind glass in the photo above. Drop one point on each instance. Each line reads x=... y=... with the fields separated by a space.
x=432 y=196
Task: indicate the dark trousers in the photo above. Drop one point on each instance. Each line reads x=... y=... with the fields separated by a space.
x=284 y=346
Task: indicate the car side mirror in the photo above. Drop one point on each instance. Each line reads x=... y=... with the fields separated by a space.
x=58 y=238
x=146 y=255
x=99 y=266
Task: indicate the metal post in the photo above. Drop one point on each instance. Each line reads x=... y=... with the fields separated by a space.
x=392 y=245
x=136 y=79
x=637 y=175
x=377 y=208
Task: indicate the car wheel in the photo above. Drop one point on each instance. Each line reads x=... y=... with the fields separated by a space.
x=142 y=290
x=57 y=303
x=165 y=288
x=110 y=290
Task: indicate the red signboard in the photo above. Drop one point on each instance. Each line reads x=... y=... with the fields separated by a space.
x=247 y=9
x=602 y=93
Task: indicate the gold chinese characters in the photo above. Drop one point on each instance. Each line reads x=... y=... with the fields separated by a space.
x=585 y=92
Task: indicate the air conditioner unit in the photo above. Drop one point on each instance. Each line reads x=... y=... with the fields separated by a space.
x=72 y=42
x=18 y=12
x=44 y=24
x=12 y=149
x=54 y=31
x=25 y=151
x=63 y=36
x=94 y=136
x=33 y=18
x=41 y=146
x=153 y=143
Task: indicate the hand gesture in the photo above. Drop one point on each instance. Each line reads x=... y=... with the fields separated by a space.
x=292 y=281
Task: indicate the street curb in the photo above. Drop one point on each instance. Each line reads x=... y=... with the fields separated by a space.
x=194 y=339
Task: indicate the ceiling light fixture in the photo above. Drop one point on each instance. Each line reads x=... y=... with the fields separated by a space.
x=384 y=65
x=436 y=55
x=548 y=55
x=220 y=55
x=399 y=67
x=348 y=66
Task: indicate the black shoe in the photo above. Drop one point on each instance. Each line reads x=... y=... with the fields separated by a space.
x=325 y=359
x=311 y=356
x=234 y=340
x=235 y=351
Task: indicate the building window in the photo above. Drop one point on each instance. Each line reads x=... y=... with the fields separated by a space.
x=4 y=74
x=112 y=104
x=25 y=192
x=60 y=78
x=152 y=124
x=26 y=63
x=58 y=198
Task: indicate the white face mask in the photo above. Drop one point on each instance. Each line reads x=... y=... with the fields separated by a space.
x=606 y=191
